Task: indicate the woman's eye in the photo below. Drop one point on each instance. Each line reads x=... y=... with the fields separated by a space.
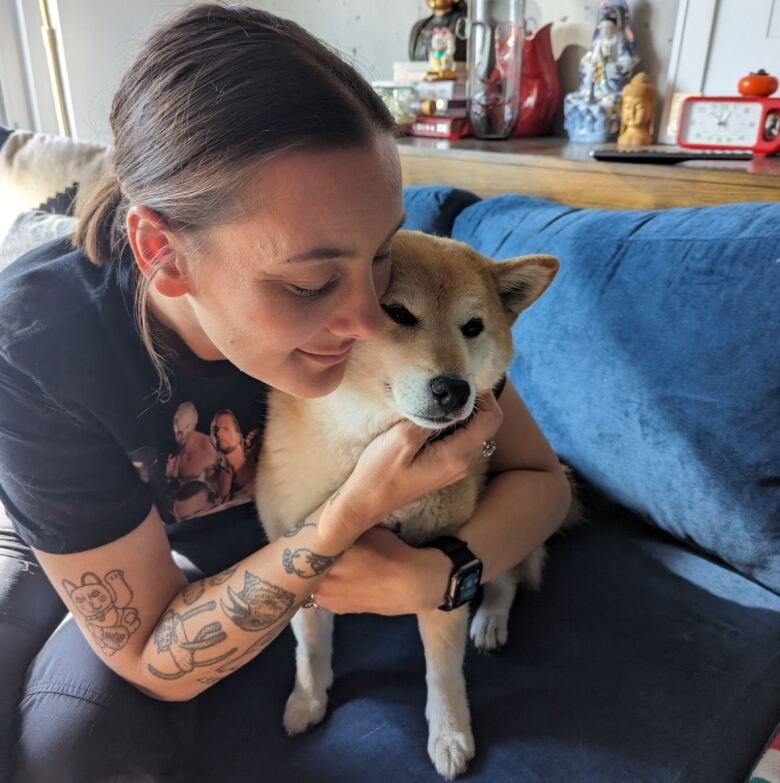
x=310 y=293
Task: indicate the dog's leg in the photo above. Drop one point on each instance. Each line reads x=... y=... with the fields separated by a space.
x=450 y=741
x=489 y=627
x=306 y=705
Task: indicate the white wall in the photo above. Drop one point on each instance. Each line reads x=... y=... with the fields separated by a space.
x=100 y=38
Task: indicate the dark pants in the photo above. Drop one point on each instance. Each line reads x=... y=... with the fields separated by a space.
x=65 y=717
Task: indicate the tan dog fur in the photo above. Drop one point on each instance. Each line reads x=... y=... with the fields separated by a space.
x=311 y=446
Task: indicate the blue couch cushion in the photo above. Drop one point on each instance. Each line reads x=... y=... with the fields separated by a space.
x=652 y=363
x=433 y=209
x=639 y=660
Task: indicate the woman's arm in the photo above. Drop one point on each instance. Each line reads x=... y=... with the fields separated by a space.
x=524 y=503
x=173 y=640
x=527 y=497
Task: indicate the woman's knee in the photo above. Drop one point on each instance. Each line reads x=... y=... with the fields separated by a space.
x=79 y=722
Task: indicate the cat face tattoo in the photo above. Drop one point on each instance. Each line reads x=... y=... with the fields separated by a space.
x=105 y=606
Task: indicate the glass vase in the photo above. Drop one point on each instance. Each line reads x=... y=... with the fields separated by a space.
x=496 y=33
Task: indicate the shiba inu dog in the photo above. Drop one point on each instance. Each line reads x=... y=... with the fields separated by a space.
x=448 y=338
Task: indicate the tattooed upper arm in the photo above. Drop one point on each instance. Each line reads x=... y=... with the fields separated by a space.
x=117 y=592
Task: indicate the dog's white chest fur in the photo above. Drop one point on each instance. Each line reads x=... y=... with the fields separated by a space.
x=310 y=447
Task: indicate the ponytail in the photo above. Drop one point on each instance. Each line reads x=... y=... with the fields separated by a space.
x=101 y=232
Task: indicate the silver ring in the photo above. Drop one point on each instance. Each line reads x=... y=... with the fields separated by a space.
x=488 y=447
x=310 y=602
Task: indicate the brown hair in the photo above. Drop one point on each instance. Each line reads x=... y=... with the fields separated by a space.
x=214 y=91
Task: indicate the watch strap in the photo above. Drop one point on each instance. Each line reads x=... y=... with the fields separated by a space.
x=456 y=549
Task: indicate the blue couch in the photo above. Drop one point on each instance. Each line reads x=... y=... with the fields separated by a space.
x=652 y=652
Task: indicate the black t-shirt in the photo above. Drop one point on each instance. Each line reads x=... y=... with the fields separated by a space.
x=87 y=444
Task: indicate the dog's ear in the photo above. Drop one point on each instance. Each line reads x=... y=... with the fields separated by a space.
x=521 y=281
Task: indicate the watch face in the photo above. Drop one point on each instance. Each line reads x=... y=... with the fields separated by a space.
x=468 y=583
x=721 y=123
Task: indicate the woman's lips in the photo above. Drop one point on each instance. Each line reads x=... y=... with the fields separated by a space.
x=329 y=359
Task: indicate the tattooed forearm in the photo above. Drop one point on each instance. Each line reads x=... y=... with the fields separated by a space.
x=253 y=648
x=193 y=592
x=171 y=636
x=293 y=531
x=104 y=604
x=222 y=576
x=258 y=604
x=306 y=563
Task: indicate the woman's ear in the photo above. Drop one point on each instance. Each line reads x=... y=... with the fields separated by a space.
x=154 y=248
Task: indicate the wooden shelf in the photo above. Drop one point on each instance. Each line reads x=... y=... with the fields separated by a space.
x=560 y=170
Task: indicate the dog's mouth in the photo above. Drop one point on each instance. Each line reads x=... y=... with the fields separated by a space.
x=454 y=425
x=443 y=424
x=436 y=419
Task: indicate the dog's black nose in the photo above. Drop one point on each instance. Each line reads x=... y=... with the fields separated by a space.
x=450 y=393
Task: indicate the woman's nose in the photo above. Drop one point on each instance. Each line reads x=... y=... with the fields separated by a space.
x=361 y=317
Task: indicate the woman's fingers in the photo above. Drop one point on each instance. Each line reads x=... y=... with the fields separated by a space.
x=467 y=442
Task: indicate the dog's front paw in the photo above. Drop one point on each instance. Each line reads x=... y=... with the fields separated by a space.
x=451 y=751
x=489 y=630
x=303 y=710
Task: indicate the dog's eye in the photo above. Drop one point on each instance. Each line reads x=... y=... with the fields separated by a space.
x=400 y=314
x=473 y=327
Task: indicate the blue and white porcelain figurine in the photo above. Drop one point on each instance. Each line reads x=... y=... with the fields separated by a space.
x=592 y=112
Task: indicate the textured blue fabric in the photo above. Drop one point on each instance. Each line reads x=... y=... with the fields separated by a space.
x=432 y=208
x=652 y=363
x=639 y=660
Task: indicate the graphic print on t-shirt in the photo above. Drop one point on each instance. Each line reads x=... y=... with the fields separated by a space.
x=204 y=472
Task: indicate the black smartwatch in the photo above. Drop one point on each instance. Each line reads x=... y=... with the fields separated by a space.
x=466 y=571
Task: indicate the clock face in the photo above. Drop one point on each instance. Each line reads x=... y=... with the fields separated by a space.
x=721 y=123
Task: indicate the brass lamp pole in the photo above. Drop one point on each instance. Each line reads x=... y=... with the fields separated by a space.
x=55 y=74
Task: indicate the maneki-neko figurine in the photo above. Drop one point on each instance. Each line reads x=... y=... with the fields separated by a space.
x=441 y=57
x=637 y=112
x=592 y=112
x=446 y=13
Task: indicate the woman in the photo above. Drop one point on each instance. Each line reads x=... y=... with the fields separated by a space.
x=256 y=193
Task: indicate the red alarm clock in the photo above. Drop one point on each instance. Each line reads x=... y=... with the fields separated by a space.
x=747 y=122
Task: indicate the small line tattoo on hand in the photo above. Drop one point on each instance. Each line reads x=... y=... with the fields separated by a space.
x=293 y=531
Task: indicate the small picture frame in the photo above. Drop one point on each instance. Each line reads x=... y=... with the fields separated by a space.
x=668 y=130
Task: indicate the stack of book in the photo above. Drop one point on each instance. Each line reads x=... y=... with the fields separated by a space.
x=445 y=115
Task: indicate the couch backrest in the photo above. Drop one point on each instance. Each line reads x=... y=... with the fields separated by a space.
x=652 y=363
x=54 y=172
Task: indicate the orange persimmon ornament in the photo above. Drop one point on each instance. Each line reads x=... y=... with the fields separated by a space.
x=758 y=83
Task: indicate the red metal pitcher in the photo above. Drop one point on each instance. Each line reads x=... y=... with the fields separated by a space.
x=540 y=89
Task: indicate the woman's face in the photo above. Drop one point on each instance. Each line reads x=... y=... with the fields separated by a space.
x=303 y=275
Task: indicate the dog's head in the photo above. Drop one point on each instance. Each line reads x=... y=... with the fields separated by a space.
x=448 y=335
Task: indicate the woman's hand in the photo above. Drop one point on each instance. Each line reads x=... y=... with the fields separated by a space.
x=400 y=465
x=382 y=574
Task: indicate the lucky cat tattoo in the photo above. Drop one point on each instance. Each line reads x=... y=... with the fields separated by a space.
x=104 y=603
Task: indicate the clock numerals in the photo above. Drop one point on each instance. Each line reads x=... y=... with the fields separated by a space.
x=721 y=123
